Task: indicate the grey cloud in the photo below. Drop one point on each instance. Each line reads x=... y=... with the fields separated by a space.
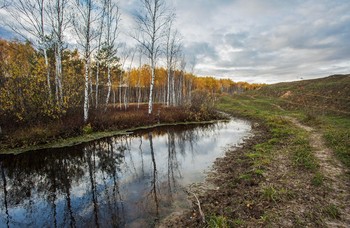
x=236 y=40
x=201 y=50
x=259 y=41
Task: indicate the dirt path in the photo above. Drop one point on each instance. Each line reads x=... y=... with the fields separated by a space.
x=334 y=173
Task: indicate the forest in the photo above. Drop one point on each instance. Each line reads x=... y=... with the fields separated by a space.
x=29 y=98
x=68 y=69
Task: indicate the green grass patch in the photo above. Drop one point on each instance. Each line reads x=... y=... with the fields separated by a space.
x=270 y=194
x=238 y=222
x=303 y=157
x=317 y=180
x=337 y=137
x=332 y=211
x=274 y=194
x=284 y=133
x=218 y=222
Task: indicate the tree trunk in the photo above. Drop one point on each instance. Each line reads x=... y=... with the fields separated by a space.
x=97 y=83
x=150 y=101
x=58 y=76
x=168 y=91
x=86 y=89
x=109 y=84
x=47 y=74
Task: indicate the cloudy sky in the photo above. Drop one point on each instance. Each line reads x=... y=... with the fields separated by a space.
x=259 y=40
x=267 y=40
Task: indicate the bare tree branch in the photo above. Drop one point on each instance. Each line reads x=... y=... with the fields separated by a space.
x=151 y=23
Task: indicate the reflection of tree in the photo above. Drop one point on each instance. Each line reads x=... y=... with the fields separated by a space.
x=109 y=160
x=128 y=148
x=4 y=183
x=57 y=178
x=66 y=169
x=53 y=196
x=173 y=163
x=154 y=179
x=91 y=161
x=142 y=163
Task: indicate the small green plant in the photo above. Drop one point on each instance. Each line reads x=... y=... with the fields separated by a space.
x=265 y=218
x=238 y=222
x=87 y=129
x=259 y=172
x=218 y=222
x=332 y=211
x=317 y=180
x=270 y=193
x=245 y=176
x=304 y=158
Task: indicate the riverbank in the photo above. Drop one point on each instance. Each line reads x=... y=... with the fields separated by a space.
x=72 y=131
x=293 y=172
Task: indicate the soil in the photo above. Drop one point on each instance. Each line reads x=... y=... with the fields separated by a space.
x=238 y=192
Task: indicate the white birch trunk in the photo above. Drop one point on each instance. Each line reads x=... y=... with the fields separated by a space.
x=86 y=89
x=150 y=101
x=97 y=83
x=109 y=84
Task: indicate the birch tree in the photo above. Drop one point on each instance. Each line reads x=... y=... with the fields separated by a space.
x=127 y=82
x=83 y=21
x=173 y=47
x=98 y=60
x=110 y=46
x=57 y=10
x=29 y=21
x=151 y=24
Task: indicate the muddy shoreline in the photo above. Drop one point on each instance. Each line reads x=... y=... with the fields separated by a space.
x=225 y=187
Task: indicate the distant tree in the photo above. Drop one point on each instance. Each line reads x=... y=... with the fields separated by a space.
x=151 y=27
x=173 y=48
x=83 y=21
x=110 y=47
x=99 y=46
x=127 y=81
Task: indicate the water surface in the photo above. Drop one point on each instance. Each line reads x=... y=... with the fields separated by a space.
x=124 y=181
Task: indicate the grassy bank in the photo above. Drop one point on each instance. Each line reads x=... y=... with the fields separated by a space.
x=279 y=178
x=71 y=130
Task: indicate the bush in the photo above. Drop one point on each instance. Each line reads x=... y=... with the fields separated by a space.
x=201 y=101
x=87 y=129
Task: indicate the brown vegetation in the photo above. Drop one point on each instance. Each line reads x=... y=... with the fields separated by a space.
x=114 y=118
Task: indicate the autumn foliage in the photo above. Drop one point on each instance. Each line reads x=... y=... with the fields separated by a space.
x=26 y=100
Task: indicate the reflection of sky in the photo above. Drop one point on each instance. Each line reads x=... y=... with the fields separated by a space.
x=132 y=198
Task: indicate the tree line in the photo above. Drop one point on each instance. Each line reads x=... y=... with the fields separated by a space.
x=43 y=78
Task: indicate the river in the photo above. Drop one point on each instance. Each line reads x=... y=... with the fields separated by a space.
x=124 y=181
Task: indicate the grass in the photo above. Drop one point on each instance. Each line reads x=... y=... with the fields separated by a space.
x=317 y=180
x=337 y=135
x=287 y=140
x=274 y=194
x=335 y=127
x=218 y=222
x=332 y=211
x=278 y=174
x=267 y=111
x=270 y=194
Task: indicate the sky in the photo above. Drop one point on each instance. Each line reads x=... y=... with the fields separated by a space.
x=259 y=41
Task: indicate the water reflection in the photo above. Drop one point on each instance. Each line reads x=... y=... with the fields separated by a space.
x=127 y=181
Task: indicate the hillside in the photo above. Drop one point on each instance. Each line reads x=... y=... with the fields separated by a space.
x=294 y=171
x=329 y=95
